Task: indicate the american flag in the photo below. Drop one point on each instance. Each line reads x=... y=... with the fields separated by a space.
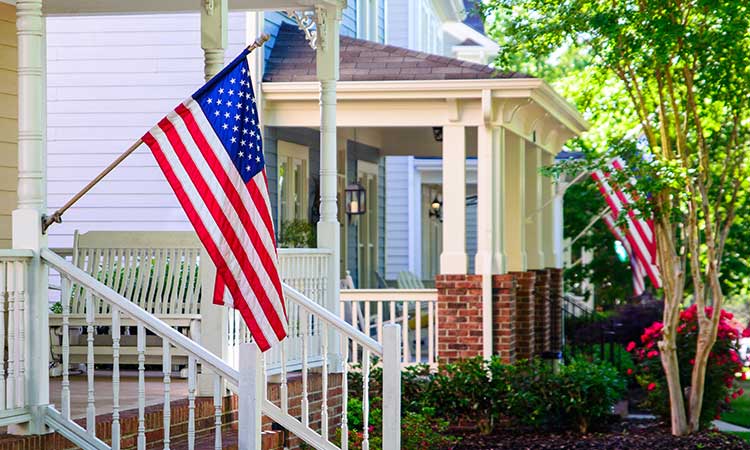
x=637 y=234
x=211 y=152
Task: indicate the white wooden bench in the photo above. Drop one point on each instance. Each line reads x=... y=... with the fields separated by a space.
x=157 y=270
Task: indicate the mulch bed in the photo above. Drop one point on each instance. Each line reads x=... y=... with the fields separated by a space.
x=630 y=435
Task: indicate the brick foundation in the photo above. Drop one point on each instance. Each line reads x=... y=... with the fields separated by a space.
x=556 y=295
x=459 y=309
x=541 y=312
x=504 y=320
x=525 y=307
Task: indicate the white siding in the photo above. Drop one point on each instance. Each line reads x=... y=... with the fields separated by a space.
x=110 y=79
x=397 y=177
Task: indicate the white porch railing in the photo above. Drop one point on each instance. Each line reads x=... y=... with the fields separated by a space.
x=305 y=270
x=250 y=383
x=13 y=288
x=414 y=309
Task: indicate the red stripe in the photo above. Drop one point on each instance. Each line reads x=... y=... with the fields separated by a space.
x=650 y=243
x=629 y=232
x=221 y=267
x=230 y=190
x=234 y=243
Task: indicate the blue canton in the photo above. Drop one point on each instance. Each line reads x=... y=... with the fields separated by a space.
x=228 y=101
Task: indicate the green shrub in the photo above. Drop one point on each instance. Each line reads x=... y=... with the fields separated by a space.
x=297 y=234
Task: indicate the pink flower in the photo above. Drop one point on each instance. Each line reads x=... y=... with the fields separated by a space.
x=630 y=347
x=692 y=362
x=630 y=371
x=651 y=354
x=651 y=387
x=746 y=332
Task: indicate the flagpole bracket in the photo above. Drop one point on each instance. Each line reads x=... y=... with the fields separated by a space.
x=48 y=220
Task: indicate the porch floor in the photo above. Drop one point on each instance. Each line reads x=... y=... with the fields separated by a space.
x=104 y=395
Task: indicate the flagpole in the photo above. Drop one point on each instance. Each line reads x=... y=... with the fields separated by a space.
x=56 y=217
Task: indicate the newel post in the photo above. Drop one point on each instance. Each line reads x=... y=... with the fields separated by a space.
x=391 y=386
x=32 y=203
x=251 y=396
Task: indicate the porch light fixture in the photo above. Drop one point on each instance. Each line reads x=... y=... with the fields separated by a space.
x=355 y=199
x=437 y=133
x=436 y=208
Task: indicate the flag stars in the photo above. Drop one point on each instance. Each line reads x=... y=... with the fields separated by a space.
x=226 y=115
x=243 y=143
x=234 y=140
x=221 y=90
x=243 y=71
x=247 y=120
x=229 y=104
x=224 y=127
x=239 y=105
x=209 y=101
x=216 y=113
x=242 y=94
x=247 y=168
x=235 y=128
x=218 y=102
x=241 y=154
x=244 y=131
x=231 y=92
x=257 y=158
x=236 y=117
x=233 y=80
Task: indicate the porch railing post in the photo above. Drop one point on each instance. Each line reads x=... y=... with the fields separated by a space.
x=391 y=387
x=251 y=396
x=32 y=202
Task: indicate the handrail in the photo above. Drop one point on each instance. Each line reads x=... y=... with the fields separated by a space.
x=157 y=326
x=304 y=251
x=16 y=253
x=366 y=341
x=386 y=295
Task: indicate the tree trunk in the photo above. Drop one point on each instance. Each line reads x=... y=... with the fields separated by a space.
x=706 y=339
x=668 y=352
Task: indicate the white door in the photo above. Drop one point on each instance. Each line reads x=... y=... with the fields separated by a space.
x=293 y=185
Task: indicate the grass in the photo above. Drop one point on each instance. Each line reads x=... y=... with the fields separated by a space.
x=744 y=435
x=740 y=412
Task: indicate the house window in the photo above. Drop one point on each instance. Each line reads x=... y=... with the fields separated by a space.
x=293 y=183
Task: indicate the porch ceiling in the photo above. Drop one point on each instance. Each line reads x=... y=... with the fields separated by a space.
x=525 y=106
x=86 y=7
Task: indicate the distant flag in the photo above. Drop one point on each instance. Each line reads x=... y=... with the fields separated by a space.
x=637 y=234
x=211 y=152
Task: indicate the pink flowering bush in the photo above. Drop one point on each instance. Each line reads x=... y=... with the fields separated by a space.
x=723 y=363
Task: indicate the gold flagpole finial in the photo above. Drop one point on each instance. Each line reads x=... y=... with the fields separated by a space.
x=262 y=39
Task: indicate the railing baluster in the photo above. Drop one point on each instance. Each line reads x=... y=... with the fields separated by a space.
x=21 y=340
x=366 y=325
x=167 y=369
x=324 y=382
x=305 y=333
x=405 y=330
x=355 y=311
x=141 y=342
x=65 y=287
x=344 y=392
x=90 y=400
x=283 y=388
x=380 y=322
x=217 y=411
x=11 y=384
x=366 y=400
x=3 y=291
x=191 y=402
x=430 y=333
x=115 y=378
x=418 y=332
x=392 y=306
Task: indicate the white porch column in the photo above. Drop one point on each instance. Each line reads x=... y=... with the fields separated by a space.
x=328 y=20
x=214 y=334
x=453 y=258
x=548 y=216
x=514 y=196
x=27 y=219
x=555 y=223
x=214 y=35
x=534 y=217
x=489 y=259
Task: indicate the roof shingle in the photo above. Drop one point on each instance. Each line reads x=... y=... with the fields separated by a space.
x=292 y=59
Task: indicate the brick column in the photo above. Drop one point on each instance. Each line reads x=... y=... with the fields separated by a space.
x=541 y=312
x=556 y=295
x=524 y=314
x=459 y=308
x=504 y=317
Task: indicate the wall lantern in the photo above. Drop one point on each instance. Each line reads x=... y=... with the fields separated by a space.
x=437 y=134
x=436 y=208
x=355 y=199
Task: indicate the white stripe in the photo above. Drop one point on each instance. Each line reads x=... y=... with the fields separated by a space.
x=234 y=176
x=231 y=213
x=214 y=232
